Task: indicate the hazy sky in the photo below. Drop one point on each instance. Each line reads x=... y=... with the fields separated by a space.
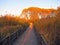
x=16 y=6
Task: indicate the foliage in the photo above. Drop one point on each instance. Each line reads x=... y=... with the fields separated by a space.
x=10 y=24
x=49 y=28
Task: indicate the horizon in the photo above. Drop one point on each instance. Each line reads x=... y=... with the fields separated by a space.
x=15 y=7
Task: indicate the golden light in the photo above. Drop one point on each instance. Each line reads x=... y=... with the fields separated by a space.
x=31 y=25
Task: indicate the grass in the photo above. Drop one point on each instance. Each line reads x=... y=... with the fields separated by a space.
x=9 y=25
x=49 y=28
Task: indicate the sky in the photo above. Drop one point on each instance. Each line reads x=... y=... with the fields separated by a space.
x=16 y=6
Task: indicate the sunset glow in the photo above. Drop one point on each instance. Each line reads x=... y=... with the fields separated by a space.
x=16 y=6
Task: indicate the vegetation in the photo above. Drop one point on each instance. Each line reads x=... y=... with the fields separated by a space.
x=49 y=28
x=10 y=24
x=33 y=12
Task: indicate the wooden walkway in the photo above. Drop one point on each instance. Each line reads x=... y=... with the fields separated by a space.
x=27 y=38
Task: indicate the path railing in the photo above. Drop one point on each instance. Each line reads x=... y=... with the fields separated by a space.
x=40 y=38
x=10 y=38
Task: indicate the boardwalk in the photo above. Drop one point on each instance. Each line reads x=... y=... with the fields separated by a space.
x=28 y=38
